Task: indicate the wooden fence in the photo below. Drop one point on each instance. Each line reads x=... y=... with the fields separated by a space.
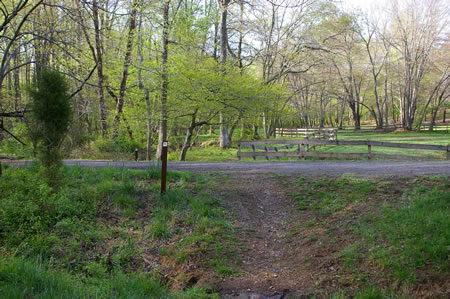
x=444 y=127
x=323 y=135
x=302 y=149
x=299 y=132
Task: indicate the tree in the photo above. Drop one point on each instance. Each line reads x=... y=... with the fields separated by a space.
x=13 y=38
x=162 y=137
x=223 y=4
x=97 y=55
x=51 y=114
x=417 y=26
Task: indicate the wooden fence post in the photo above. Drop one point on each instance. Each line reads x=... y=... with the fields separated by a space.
x=239 y=151
x=302 y=149
x=276 y=150
x=265 y=148
x=254 y=152
x=369 y=149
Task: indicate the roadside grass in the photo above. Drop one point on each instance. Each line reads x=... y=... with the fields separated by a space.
x=108 y=233
x=207 y=154
x=389 y=237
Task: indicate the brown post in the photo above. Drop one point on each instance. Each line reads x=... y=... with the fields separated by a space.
x=314 y=138
x=265 y=148
x=136 y=154
x=448 y=150
x=369 y=150
x=254 y=152
x=302 y=149
x=165 y=146
x=239 y=151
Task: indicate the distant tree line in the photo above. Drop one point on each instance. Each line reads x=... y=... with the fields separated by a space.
x=146 y=71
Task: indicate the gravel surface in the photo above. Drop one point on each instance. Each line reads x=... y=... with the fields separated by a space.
x=363 y=168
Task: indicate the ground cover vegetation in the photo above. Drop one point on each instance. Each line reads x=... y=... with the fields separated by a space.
x=144 y=71
x=108 y=233
x=375 y=237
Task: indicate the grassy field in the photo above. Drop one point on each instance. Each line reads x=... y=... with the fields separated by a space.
x=107 y=233
x=213 y=154
x=384 y=238
x=436 y=138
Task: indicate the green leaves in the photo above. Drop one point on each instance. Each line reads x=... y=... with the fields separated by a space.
x=51 y=116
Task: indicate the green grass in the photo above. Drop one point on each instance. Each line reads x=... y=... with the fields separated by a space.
x=435 y=138
x=396 y=233
x=92 y=235
x=328 y=196
x=214 y=154
x=413 y=234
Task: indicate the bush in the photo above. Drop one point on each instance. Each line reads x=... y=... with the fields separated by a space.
x=51 y=115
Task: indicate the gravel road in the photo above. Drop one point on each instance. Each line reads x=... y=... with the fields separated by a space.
x=364 y=168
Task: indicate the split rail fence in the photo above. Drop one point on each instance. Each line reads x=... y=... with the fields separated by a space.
x=303 y=148
x=299 y=132
x=322 y=135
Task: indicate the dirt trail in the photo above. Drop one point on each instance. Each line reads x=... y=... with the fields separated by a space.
x=271 y=266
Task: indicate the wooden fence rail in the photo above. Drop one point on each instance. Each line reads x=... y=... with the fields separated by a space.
x=295 y=132
x=328 y=135
x=302 y=151
x=298 y=132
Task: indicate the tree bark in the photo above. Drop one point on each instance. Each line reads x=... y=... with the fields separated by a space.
x=98 y=57
x=187 y=140
x=162 y=136
x=223 y=137
x=126 y=65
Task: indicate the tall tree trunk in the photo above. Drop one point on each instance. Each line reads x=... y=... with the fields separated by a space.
x=385 y=103
x=187 y=140
x=223 y=138
x=265 y=125
x=98 y=56
x=162 y=136
x=126 y=65
x=341 y=119
x=146 y=94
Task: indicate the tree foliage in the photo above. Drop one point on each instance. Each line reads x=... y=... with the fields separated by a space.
x=249 y=64
x=51 y=115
